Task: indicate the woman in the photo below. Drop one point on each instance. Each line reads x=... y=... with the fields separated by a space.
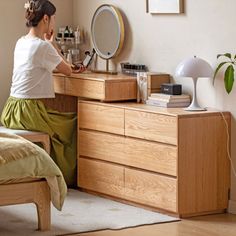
x=35 y=57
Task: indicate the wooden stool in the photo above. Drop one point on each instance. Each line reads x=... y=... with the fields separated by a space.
x=33 y=136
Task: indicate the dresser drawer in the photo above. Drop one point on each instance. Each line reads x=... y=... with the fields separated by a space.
x=151 y=126
x=59 y=84
x=102 y=146
x=101 y=118
x=121 y=90
x=151 y=189
x=101 y=177
x=128 y=151
x=85 y=88
x=151 y=156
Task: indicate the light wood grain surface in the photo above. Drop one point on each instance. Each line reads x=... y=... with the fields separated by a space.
x=172 y=160
x=101 y=118
x=203 y=166
x=155 y=127
x=97 y=86
x=101 y=177
x=36 y=192
x=214 y=225
x=138 y=153
x=151 y=189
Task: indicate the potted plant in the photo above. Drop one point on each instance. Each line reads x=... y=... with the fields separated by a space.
x=230 y=62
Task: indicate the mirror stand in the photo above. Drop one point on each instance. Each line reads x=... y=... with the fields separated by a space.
x=107 y=71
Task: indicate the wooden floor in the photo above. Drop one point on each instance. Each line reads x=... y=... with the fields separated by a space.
x=214 y=225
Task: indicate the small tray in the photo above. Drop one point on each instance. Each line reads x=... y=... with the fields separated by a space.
x=132 y=69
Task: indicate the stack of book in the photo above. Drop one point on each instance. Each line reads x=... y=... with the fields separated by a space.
x=166 y=100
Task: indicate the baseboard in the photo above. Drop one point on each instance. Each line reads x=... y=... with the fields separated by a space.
x=232 y=207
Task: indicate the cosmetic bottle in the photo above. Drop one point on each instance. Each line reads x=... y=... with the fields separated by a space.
x=71 y=32
x=77 y=35
x=66 y=32
x=69 y=57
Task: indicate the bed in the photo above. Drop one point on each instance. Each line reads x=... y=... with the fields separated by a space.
x=29 y=175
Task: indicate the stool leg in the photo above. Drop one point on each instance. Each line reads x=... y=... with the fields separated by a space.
x=46 y=144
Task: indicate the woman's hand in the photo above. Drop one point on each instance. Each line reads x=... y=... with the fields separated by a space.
x=49 y=36
x=78 y=68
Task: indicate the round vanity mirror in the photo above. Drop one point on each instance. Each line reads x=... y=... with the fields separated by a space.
x=107 y=30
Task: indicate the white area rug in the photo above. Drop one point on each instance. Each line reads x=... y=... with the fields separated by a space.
x=82 y=212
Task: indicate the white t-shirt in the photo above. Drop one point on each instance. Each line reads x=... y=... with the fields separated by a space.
x=34 y=61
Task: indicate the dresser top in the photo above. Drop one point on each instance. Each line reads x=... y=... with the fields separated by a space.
x=159 y=110
x=98 y=77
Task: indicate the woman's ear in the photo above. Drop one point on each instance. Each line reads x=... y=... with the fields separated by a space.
x=46 y=19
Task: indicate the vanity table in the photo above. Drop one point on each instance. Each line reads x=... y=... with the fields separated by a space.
x=103 y=87
x=166 y=159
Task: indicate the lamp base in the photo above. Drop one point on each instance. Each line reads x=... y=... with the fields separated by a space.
x=194 y=109
x=194 y=106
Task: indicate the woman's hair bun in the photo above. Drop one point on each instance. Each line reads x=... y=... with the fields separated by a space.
x=36 y=9
x=30 y=10
x=30 y=6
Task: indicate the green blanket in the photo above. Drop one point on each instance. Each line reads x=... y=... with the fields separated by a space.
x=20 y=158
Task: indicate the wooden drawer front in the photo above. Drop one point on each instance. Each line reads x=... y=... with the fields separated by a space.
x=151 y=189
x=101 y=177
x=101 y=118
x=85 y=88
x=102 y=146
x=128 y=151
x=59 y=84
x=151 y=126
x=151 y=156
x=118 y=91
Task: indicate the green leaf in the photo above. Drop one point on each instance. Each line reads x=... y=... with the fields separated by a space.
x=229 y=78
x=225 y=55
x=218 y=68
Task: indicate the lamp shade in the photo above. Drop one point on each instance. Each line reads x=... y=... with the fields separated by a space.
x=194 y=67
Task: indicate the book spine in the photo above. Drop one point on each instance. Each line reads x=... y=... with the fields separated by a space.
x=172 y=100
x=166 y=104
x=166 y=96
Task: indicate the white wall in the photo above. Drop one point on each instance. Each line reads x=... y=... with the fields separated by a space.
x=12 y=25
x=162 y=41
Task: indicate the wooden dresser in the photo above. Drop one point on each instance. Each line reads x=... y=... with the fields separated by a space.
x=167 y=159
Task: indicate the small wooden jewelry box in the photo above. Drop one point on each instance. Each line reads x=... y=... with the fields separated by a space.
x=155 y=80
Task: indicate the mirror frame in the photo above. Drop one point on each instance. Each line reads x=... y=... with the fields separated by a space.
x=119 y=19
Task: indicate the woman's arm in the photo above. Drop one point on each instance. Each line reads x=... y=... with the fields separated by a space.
x=64 y=67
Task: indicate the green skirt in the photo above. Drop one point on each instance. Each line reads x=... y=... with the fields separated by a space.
x=31 y=114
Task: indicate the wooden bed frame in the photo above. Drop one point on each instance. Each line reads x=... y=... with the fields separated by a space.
x=29 y=192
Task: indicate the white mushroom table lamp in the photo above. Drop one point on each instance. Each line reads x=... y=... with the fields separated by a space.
x=195 y=68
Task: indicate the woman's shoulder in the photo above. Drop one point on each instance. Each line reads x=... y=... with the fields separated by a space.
x=32 y=40
x=45 y=44
x=35 y=46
